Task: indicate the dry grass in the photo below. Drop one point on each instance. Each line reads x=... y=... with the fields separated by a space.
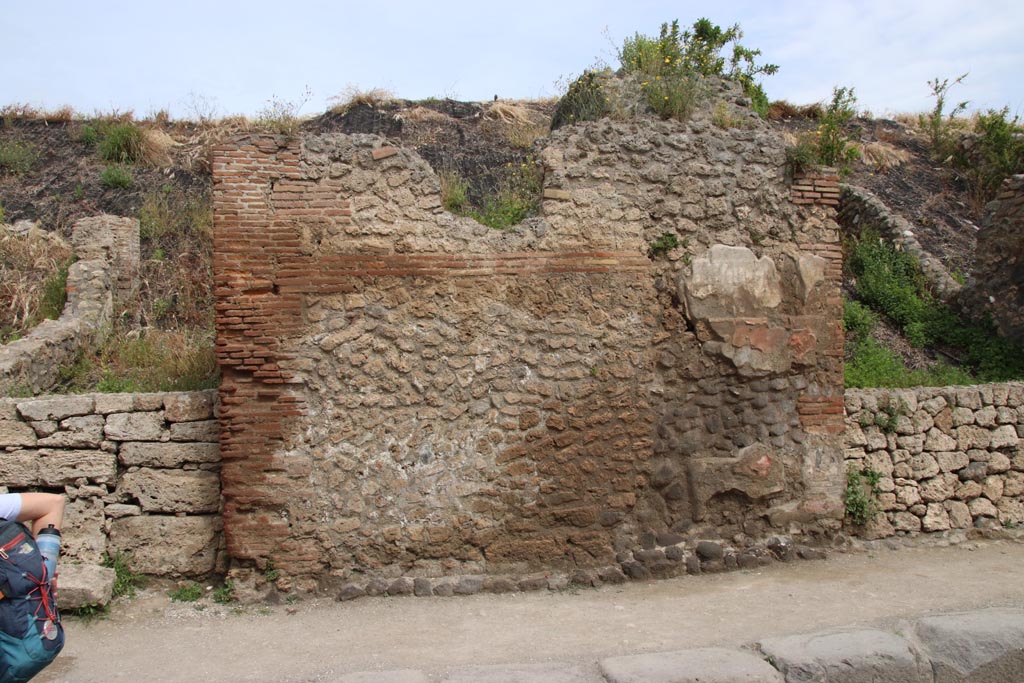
x=352 y=96
x=29 y=275
x=424 y=114
x=26 y=111
x=882 y=155
x=518 y=124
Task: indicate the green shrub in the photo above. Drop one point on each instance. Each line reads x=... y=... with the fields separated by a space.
x=674 y=95
x=122 y=144
x=3 y=214
x=939 y=125
x=999 y=153
x=17 y=157
x=585 y=100
x=116 y=176
x=834 y=145
x=187 y=592
x=861 y=495
x=858 y=320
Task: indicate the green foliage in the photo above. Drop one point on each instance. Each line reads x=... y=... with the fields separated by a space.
x=585 y=100
x=187 y=592
x=17 y=157
x=861 y=495
x=858 y=320
x=674 y=95
x=122 y=143
x=998 y=153
x=126 y=582
x=890 y=282
x=673 y=64
x=664 y=244
x=834 y=148
x=88 y=135
x=829 y=145
x=454 y=192
x=517 y=197
x=224 y=594
x=271 y=572
x=89 y=613
x=116 y=176
x=55 y=294
x=3 y=214
x=938 y=124
x=156 y=360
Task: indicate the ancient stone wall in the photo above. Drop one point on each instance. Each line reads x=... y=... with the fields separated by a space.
x=407 y=393
x=106 y=271
x=859 y=209
x=140 y=472
x=949 y=458
x=996 y=285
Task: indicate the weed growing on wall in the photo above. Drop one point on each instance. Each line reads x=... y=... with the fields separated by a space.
x=280 y=116
x=665 y=243
x=126 y=582
x=861 y=495
x=33 y=280
x=517 y=196
x=584 y=100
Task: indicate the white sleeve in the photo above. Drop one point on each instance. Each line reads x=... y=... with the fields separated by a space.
x=10 y=505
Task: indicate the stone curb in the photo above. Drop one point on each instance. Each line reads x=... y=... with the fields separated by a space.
x=983 y=646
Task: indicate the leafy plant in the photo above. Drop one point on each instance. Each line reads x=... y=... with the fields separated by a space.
x=584 y=100
x=858 y=320
x=116 y=176
x=834 y=145
x=189 y=591
x=861 y=495
x=663 y=244
x=938 y=123
x=17 y=157
x=225 y=593
x=126 y=582
x=122 y=144
x=997 y=153
x=88 y=135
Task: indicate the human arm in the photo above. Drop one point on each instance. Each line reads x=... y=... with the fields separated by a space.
x=42 y=510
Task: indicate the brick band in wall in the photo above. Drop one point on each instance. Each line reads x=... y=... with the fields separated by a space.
x=820 y=186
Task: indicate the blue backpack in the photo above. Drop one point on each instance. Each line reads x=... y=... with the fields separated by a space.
x=31 y=634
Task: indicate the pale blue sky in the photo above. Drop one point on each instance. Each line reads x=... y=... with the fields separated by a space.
x=194 y=56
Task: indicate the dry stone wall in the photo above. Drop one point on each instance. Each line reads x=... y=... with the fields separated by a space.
x=949 y=458
x=140 y=472
x=408 y=394
x=106 y=271
x=996 y=286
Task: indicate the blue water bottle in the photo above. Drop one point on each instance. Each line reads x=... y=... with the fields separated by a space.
x=48 y=541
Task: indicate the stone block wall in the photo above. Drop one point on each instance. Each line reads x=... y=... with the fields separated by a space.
x=140 y=472
x=949 y=458
x=407 y=393
x=996 y=285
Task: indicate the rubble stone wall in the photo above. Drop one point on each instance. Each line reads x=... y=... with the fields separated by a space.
x=949 y=458
x=140 y=472
x=106 y=271
x=996 y=285
x=407 y=393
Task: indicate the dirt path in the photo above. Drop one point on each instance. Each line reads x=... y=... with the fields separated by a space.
x=157 y=641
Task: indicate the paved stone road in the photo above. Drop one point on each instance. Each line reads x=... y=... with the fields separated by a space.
x=926 y=614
